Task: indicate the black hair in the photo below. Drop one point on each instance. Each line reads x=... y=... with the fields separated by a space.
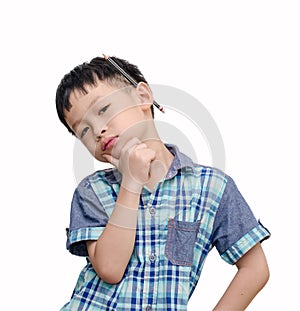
x=87 y=74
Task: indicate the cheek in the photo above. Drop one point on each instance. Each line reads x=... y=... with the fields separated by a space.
x=128 y=119
x=92 y=147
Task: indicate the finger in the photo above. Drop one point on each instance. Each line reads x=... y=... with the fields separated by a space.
x=158 y=169
x=147 y=153
x=133 y=142
x=132 y=145
x=140 y=146
x=123 y=145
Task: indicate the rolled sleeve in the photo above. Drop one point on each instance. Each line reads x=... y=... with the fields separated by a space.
x=235 y=229
x=77 y=239
x=87 y=219
x=244 y=244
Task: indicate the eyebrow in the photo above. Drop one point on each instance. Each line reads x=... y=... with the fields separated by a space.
x=76 y=123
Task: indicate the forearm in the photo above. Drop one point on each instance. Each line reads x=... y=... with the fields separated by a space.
x=248 y=281
x=112 y=251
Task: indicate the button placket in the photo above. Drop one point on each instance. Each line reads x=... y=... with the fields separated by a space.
x=150 y=252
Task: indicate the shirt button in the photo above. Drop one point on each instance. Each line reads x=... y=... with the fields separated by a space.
x=152 y=257
x=148 y=308
x=152 y=210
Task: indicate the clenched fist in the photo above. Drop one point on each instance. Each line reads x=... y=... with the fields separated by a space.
x=134 y=162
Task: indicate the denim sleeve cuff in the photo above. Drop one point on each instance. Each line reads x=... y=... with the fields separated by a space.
x=244 y=244
x=77 y=239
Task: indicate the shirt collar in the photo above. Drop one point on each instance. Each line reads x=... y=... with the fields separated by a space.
x=180 y=162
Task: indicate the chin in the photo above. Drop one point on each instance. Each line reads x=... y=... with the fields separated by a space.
x=101 y=159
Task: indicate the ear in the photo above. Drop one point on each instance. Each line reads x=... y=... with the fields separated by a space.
x=145 y=95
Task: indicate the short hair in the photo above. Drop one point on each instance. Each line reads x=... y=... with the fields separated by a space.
x=87 y=74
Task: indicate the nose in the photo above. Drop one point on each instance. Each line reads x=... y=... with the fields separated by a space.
x=102 y=132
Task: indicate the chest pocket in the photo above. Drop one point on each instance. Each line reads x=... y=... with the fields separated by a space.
x=181 y=238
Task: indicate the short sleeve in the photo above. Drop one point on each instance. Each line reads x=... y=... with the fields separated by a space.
x=87 y=219
x=235 y=229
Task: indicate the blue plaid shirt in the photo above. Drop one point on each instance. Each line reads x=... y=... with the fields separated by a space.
x=193 y=209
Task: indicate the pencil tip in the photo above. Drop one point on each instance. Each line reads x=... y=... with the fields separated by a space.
x=105 y=56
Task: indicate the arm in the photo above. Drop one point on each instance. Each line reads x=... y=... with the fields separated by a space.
x=110 y=254
x=252 y=275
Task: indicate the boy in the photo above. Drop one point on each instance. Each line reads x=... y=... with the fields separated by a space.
x=146 y=225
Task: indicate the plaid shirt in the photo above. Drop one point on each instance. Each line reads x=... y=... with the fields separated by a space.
x=192 y=210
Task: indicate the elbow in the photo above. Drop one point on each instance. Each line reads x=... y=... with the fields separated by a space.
x=260 y=276
x=255 y=266
x=265 y=275
x=109 y=274
x=110 y=278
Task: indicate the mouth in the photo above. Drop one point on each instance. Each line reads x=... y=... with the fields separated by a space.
x=109 y=142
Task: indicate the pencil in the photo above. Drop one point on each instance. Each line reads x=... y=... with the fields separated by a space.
x=129 y=78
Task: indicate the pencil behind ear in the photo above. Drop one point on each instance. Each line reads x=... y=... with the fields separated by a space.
x=144 y=93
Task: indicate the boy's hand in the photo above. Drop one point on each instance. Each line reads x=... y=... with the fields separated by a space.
x=134 y=163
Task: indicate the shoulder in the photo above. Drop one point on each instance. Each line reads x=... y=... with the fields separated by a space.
x=205 y=170
x=185 y=163
x=110 y=175
x=210 y=176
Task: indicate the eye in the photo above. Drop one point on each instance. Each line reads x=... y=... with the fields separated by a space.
x=84 y=131
x=103 y=109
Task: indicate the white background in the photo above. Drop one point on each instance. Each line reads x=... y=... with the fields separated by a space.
x=238 y=58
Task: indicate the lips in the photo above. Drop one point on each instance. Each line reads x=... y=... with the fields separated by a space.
x=108 y=142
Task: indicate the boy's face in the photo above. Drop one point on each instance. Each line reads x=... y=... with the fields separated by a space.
x=106 y=117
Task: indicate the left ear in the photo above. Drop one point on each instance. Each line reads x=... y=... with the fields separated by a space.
x=145 y=95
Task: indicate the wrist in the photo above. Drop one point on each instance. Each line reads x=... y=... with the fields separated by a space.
x=124 y=217
x=131 y=186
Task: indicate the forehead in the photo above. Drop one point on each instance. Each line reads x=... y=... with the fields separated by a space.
x=100 y=89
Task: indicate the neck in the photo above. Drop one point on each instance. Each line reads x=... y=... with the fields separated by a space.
x=161 y=164
x=163 y=157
